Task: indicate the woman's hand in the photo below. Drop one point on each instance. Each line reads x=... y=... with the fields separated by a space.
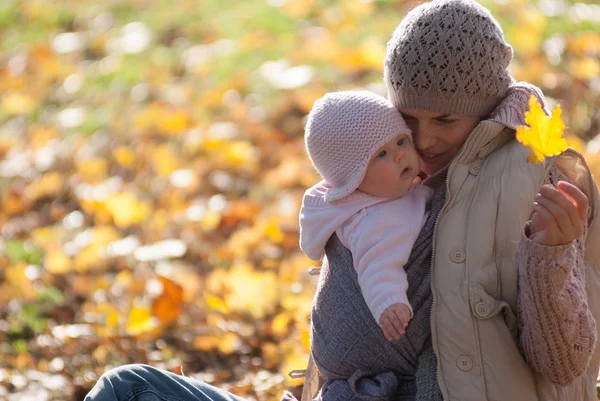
x=560 y=214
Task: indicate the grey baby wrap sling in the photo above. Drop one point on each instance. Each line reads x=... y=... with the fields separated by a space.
x=354 y=359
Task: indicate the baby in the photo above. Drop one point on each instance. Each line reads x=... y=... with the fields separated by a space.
x=363 y=150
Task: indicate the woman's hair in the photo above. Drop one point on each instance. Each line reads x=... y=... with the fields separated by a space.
x=448 y=56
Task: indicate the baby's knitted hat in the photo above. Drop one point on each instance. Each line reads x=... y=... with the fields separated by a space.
x=343 y=131
x=448 y=56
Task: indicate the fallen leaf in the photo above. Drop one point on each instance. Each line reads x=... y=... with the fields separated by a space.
x=126 y=210
x=17 y=103
x=167 y=307
x=140 y=321
x=57 y=262
x=216 y=303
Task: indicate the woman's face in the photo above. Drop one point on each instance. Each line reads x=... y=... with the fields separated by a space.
x=437 y=137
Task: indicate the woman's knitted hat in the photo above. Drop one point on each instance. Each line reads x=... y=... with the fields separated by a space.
x=343 y=132
x=448 y=56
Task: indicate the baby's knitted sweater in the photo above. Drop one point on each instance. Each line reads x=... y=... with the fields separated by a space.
x=380 y=233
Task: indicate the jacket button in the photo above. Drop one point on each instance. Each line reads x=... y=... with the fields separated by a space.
x=474 y=168
x=464 y=363
x=482 y=310
x=458 y=256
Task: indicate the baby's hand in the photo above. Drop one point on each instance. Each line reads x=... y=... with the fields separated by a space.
x=394 y=320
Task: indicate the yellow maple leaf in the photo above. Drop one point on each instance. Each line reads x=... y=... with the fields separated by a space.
x=140 y=321
x=125 y=209
x=17 y=103
x=544 y=136
x=58 y=262
x=251 y=291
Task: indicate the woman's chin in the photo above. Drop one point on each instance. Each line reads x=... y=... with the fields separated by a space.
x=429 y=169
x=432 y=168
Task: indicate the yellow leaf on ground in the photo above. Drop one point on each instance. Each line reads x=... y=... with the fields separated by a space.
x=58 y=262
x=173 y=121
x=92 y=256
x=39 y=136
x=124 y=156
x=251 y=291
x=280 y=324
x=206 y=343
x=17 y=103
x=216 y=303
x=16 y=284
x=298 y=8
x=273 y=231
x=146 y=118
x=140 y=321
x=544 y=136
x=126 y=210
x=230 y=343
x=211 y=220
x=167 y=307
x=165 y=161
x=271 y=355
x=49 y=184
x=93 y=170
x=584 y=68
x=48 y=237
x=240 y=155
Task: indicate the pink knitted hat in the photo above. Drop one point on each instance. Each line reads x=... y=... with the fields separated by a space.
x=343 y=132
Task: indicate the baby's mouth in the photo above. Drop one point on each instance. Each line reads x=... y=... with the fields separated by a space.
x=406 y=171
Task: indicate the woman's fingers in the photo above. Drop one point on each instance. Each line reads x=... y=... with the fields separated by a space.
x=543 y=218
x=560 y=216
x=581 y=200
x=561 y=206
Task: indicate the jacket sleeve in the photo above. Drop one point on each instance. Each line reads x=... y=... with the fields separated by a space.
x=557 y=330
x=380 y=246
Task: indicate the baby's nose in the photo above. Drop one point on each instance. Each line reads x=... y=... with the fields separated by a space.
x=399 y=155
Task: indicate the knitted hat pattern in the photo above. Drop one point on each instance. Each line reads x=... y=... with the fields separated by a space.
x=343 y=132
x=450 y=57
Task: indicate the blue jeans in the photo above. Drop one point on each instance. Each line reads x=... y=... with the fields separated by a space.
x=146 y=383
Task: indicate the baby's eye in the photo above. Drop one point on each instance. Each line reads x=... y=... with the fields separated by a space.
x=400 y=142
x=382 y=154
x=445 y=120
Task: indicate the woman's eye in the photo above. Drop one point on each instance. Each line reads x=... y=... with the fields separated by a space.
x=382 y=153
x=400 y=142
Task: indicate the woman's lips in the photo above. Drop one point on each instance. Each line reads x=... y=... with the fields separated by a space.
x=430 y=157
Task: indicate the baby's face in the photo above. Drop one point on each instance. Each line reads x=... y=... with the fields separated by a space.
x=392 y=169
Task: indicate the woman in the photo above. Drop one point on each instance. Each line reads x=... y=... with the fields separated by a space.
x=497 y=224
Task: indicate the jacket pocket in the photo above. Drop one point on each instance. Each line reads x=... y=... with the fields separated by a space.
x=501 y=358
x=484 y=306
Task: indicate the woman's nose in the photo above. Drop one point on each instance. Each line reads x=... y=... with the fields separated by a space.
x=423 y=139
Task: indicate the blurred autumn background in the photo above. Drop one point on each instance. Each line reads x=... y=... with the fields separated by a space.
x=152 y=168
